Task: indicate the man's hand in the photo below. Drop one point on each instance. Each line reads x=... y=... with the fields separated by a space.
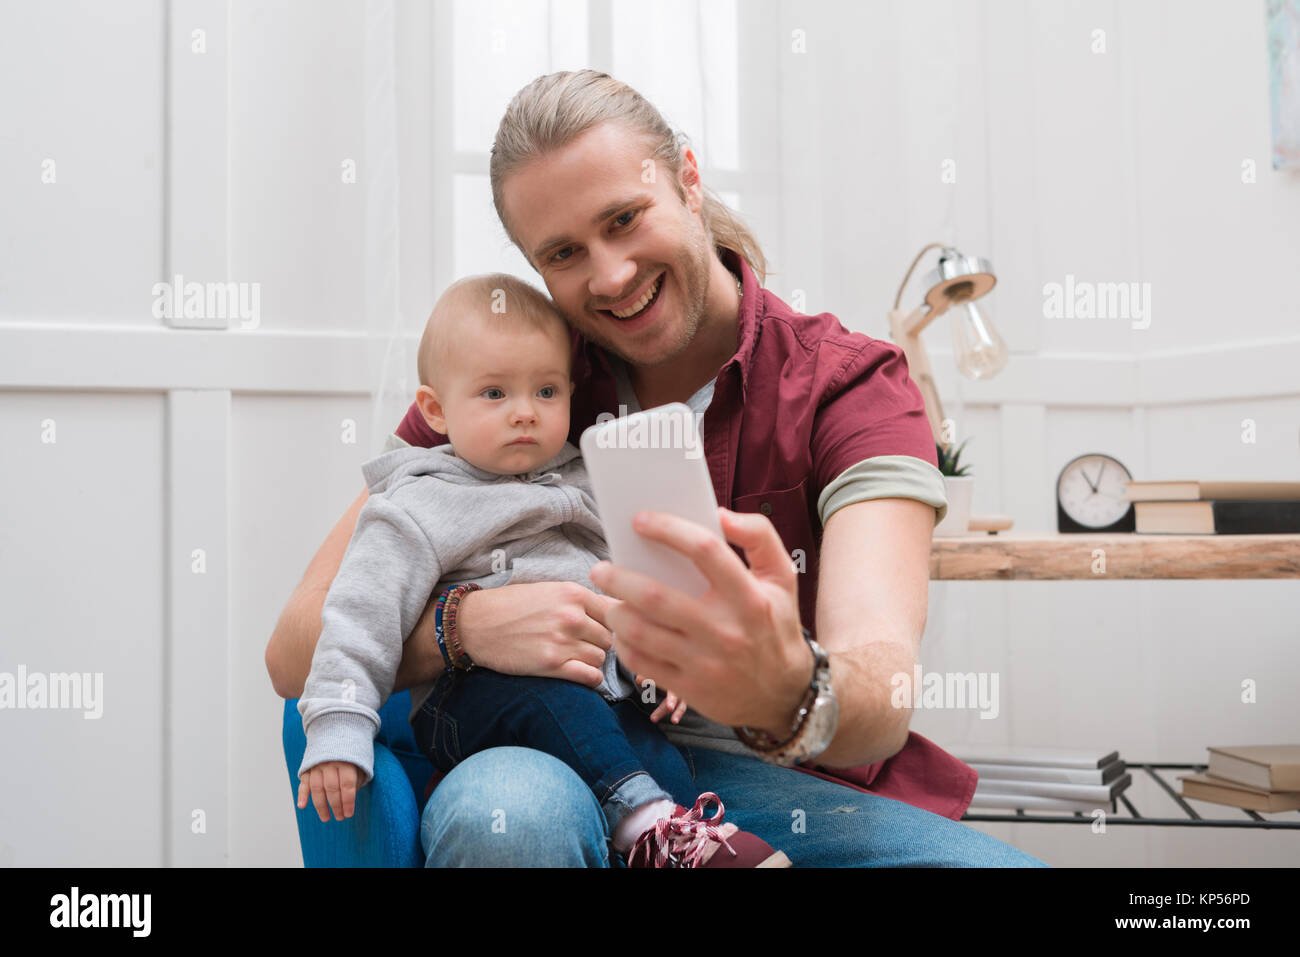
x=546 y=629
x=670 y=705
x=736 y=652
x=335 y=781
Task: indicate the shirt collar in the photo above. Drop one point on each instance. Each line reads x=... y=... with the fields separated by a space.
x=590 y=357
x=750 y=314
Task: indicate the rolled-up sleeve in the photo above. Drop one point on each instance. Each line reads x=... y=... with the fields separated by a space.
x=871 y=437
x=885 y=476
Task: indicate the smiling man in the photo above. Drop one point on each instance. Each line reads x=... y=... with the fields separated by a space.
x=818 y=444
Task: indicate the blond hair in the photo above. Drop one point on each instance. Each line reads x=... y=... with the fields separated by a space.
x=554 y=109
x=497 y=297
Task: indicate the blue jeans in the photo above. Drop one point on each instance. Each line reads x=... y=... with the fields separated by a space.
x=516 y=807
x=613 y=747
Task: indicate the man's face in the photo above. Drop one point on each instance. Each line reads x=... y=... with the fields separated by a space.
x=603 y=240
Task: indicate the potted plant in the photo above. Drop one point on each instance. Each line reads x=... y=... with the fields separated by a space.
x=959 y=487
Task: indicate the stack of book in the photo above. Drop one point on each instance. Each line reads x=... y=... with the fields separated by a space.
x=1262 y=777
x=1050 y=779
x=1215 y=508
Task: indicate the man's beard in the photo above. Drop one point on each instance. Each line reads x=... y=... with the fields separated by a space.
x=693 y=277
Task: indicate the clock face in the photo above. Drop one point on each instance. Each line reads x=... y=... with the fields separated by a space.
x=1091 y=490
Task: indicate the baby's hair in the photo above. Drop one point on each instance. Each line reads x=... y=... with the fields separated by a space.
x=493 y=297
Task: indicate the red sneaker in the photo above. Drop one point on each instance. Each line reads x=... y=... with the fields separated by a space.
x=689 y=839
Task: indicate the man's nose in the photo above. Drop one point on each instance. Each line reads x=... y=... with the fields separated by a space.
x=612 y=272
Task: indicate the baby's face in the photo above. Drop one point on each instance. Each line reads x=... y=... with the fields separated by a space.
x=506 y=398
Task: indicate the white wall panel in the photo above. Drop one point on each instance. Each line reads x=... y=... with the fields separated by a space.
x=293 y=473
x=197 y=673
x=82 y=88
x=296 y=226
x=81 y=573
x=1216 y=249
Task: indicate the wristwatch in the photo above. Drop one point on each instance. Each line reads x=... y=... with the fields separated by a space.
x=814 y=723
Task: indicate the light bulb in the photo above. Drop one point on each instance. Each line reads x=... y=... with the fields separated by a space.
x=978 y=349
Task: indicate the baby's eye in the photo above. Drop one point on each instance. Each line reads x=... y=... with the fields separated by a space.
x=547 y=392
x=492 y=392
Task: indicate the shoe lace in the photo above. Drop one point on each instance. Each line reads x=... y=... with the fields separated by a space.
x=687 y=839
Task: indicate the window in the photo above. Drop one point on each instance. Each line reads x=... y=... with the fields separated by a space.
x=683 y=58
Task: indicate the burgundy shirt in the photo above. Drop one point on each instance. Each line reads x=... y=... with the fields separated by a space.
x=802 y=400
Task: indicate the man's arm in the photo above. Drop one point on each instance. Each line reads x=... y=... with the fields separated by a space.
x=552 y=629
x=872 y=597
x=292 y=644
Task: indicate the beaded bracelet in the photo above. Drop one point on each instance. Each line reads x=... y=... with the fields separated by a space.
x=438 y=628
x=453 y=609
x=453 y=655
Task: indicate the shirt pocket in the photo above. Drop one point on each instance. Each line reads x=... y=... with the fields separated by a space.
x=787 y=509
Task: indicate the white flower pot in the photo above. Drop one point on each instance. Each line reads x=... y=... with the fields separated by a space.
x=957 y=522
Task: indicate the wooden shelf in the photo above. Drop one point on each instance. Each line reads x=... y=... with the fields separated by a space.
x=1009 y=556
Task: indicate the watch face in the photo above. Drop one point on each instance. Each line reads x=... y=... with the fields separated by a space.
x=1091 y=490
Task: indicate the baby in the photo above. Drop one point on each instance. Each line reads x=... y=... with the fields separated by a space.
x=506 y=500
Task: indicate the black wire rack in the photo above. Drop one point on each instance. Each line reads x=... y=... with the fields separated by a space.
x=1190 y=817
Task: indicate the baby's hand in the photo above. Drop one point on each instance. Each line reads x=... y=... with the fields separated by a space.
x=671 y=704
x=332 y=780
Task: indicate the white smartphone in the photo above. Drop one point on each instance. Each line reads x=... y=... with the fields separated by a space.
x=652 y=460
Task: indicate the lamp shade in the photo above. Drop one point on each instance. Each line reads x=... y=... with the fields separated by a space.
x=957 y=279
x=955 y=284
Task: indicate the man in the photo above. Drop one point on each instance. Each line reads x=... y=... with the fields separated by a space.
x=818 y=444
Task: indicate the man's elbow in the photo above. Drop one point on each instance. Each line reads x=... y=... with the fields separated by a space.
x=272 y=667
x=892 y=736
x=886 y=746
x=285 y=684
x=897 y=742
x=895 y=721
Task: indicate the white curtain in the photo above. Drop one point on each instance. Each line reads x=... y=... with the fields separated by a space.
x=392 y=354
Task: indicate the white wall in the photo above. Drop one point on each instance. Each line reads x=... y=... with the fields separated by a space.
x=1123 y=166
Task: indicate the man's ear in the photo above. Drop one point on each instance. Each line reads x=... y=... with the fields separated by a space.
x=691 y=182
x=572 y=385
x=431 y=409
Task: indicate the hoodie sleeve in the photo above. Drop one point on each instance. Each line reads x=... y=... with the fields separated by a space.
x=378 y=595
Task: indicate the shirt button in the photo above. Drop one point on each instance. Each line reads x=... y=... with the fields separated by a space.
x=765 y=508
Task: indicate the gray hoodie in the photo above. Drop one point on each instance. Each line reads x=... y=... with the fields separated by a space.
x=434 y=520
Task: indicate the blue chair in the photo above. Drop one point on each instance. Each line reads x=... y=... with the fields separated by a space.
x=385 y=829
